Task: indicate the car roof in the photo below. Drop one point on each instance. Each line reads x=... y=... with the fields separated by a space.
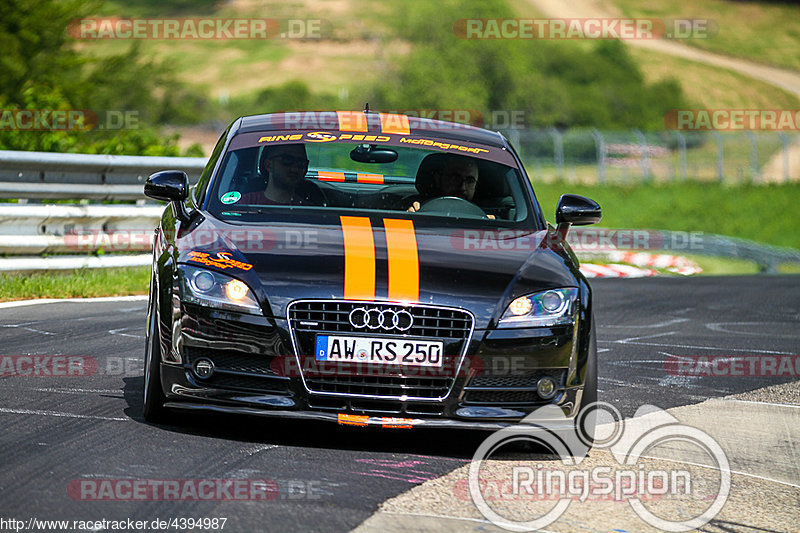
x=373 y=122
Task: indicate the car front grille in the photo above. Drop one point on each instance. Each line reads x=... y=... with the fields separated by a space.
x=332 y=317
x=451 y=326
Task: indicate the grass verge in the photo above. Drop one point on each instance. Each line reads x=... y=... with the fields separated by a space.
x=766 y=32
x=83 y=283
x=762 y=213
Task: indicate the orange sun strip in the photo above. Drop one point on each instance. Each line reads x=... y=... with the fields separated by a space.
x=352 y=420
x=395 y=124
x=330 y=176
x=370 y=178
x=401 y=249
x=359 y=258
x=352 y=121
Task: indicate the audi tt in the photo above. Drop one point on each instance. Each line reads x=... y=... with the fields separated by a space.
x=366 y=269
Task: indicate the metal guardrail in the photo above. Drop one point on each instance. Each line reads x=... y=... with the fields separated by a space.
x=46 y=175
x=768 y=258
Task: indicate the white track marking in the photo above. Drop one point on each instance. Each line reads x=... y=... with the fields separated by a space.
x=659 y=325
x=640 y=337
x=720 y=328
x=26 y=327
x=259 y=449
x=789 y=405
x=119 y=330
x=633 y=341
x=39 y=301
x=77 y=391
x=718 y=470
x=9 y=410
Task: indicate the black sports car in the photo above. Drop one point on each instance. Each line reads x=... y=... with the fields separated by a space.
x=366 y=269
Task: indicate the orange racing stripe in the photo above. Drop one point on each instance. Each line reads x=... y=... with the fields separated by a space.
x=401 y=249
x=395 y=124
x=359 y=258
x=352 y=121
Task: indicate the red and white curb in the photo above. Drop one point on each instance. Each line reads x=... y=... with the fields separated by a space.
x=637 y=266
x=615 y=271
x=671 y=263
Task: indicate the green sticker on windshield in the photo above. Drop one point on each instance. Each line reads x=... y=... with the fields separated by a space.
x=231 y=197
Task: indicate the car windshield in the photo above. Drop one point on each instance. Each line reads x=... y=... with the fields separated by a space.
x=465 y=182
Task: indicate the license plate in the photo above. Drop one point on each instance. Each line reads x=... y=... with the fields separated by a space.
x=380 y=351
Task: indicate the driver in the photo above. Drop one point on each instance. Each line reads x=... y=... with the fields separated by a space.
x=285 y=166
x=457 y=176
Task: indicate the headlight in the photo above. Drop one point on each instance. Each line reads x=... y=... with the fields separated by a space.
x=555 y=307
x=206 y=287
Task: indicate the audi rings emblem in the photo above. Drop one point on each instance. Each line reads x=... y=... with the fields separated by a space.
x=387 y=319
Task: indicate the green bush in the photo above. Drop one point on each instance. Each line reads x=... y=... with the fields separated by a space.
x=556 y=83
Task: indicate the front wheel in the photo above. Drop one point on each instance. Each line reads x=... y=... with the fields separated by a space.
x=587 y=417
x=153 y=408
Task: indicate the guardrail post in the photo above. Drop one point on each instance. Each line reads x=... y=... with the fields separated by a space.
x=682 y=154
x=785 y=142
x=720 y=157
x=754 y=174
x=513 y=136
x=600 y=144
x=558 y=151
x=645 y=156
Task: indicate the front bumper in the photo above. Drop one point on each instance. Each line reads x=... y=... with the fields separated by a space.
x=494 y=385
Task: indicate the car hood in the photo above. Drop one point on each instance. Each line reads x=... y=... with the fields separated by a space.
x=381 y=259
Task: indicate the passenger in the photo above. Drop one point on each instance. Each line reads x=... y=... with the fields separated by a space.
x=284 y=168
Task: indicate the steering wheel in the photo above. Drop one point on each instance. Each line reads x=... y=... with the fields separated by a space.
x=452 y=205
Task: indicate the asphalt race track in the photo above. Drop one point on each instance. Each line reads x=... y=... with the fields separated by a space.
x=58 y=431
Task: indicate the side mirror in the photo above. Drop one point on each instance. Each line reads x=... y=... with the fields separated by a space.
x=170 y=186
x=577 y=210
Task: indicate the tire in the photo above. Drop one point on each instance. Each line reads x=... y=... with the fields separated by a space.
x=587 y=425
x=153 y=397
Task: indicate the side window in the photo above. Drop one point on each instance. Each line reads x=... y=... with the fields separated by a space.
x=228 y=171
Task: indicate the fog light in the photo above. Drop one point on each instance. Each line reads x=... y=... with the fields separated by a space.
x=546 y=388
x=203 y=368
